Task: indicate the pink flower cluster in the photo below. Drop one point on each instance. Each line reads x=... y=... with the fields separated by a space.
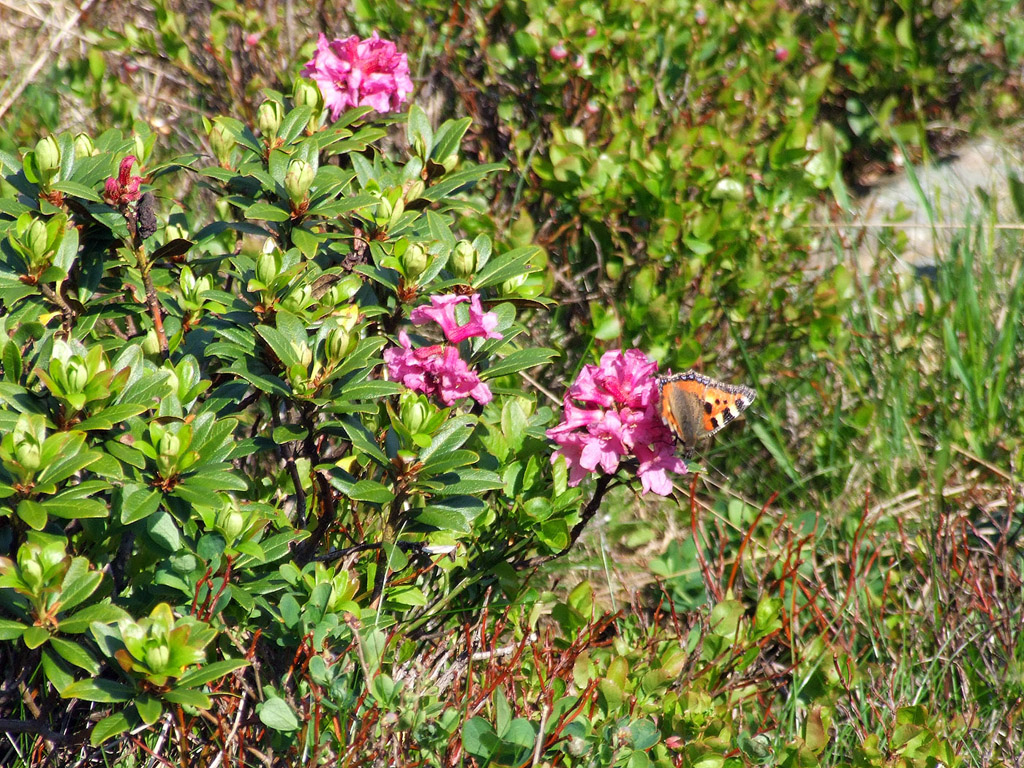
x=618 y=417
x=124 y=188
x=360 y=73
x=438 y=369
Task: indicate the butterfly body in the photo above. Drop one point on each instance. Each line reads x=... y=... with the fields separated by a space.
x=695 y=406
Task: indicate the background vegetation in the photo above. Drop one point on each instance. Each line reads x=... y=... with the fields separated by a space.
x=230 y=545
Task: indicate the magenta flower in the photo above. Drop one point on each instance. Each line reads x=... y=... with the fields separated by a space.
x=617 y=418
x=124 y=188
x=360 y=73
x=558 y=52
x=442 y=312
x=435 y=370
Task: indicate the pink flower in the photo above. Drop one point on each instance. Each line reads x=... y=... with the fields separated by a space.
x=124 y=188
x=558 y=52
x=435 y=370
x=617 y=418
x=442 y=312
x=360 y=73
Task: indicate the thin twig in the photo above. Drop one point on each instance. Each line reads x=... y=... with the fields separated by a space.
x=231 y=736
x=45 y=57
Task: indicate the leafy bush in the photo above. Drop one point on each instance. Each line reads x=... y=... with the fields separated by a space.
x=231 y=537
x=198 y=439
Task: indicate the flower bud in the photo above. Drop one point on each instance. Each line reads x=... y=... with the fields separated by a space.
x=32 y=574
x=47 y=158
x=84 y=146
x=420 y=148
x=341 y=291
x=187 y=281
x=140 y=148
x=169 y=445
x=463 y=261
x=298 y=299
x=77 y=375
x=339 y=344
x=157 y=657
x=29 y=454
x=307 y=94
x=414 y=412
x=511 y=286
x=347 y=316
x=412 y=190
x=414 y=261
x=384 y=209
x=230 y=522
x=304 y=353
x=268 y=119
x=450 y=162
x=36 y=240
x=298 y=180
x=268 y=266
x=222 y=142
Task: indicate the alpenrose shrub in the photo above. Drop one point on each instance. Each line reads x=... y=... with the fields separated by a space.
x=227 y=450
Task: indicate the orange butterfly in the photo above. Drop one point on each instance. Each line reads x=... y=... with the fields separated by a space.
x=694 y=406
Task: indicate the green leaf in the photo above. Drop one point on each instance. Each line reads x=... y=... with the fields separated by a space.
x=512 y=264
x=55 y=672
x=363 y=440
x=73 y=509
x=293 y=123
x=11 y=630
x=104 y=613
x=149 y=709
x=418 y=130
x=281 y=344
x=210 y=672
x=448 y=138
x=469 y=482
x=164 y=531
x=12 y=362
x=139 y=503
x=261 y=379
x=109 y=727
x=520 y=360
x=267 y=212
x=453 y=181
x=35 y=636
x=450 y=437
x=189 y=698
x=446 y=461
x=407 y=595
x=64 y=467
x=454 y=514
x=75 y=189
x=111 y=415
x=645 y=734
x=75 y=654
x=479 y=738
x=98 y=689
x=371 y=491
x=276 y=714
x=79 y=583
x=33 y=513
